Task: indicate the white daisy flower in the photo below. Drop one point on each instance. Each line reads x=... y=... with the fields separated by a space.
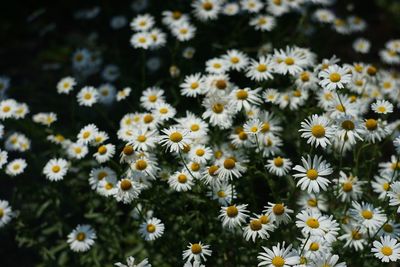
x=151 y=97
x=206 y=9
x=81 y=238
x=367 y=215
x=151 y=229
x=387 y=249
x=127 y=191
x=197 y=252
x=233 y=216
x=236 y=59
x=278 y=256
x=6 y=213
x=123 y=94
x=16 y=167
x=382 y=107
x=312 y=174
x=278 y=213
x=56 y=169
x=66 y=85
x=181 y=181
x=224 y=192
x=334 y=77
x=143 y=22
x=98 y=174
x=3 y=158
x=193 y=85
x=175 y=139
x=263 y=23
x=317 y=130
x=279 y=166
x=87 y=134
x=88 y=96
x=361 y=45
x=104 y=153
x=258 y=228
x=141 y=40
x=261 y=69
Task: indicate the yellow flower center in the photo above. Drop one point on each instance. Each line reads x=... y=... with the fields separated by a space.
x=109 y=186
x=347 y=187
x=264 y=219
x=86 y=135
x=195 y=166
x=128 y=150
x=335 y=77
x=278 y=261
x=200 y=152
x=194 y=85
x=1 y=213
x=221 y=194
x=242 y=94
x=278 y=209
x=148 y=118
x=314 y=246
x=387 y=85
x=182 y=178
x=218 y=108
x=163 y=110
x=176 y=15
x=141 y=138
x=175 y=137
x=289 y=61
x=318 y=131
x=151 y=228
x=381 y=109
x=125 y=185
x=312 y=223
x=305 y=76
x=255 y=225
x=80 y=236
x=87 y=96
x=372 y=70
x=56 y=168
x=232 y=211
x=371 y=124
x=101 y=175
x=212 y=170
x=386 y=186
x=367 y=214
x=388 y=228
x=141 y=164
x=356 y=235
x=229 y=164
x=312 y=202
x=221 y=84
x=242 y=136
x=387 y=251
x=312 y=174
x=234 y=60
x=261 y=68
x=278 y=161
x=348 y=125
x=102 y=150
x=207 y=6
x=196 y=249
x=194 y=127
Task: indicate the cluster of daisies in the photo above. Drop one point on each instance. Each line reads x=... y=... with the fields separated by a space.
x=338 y=111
